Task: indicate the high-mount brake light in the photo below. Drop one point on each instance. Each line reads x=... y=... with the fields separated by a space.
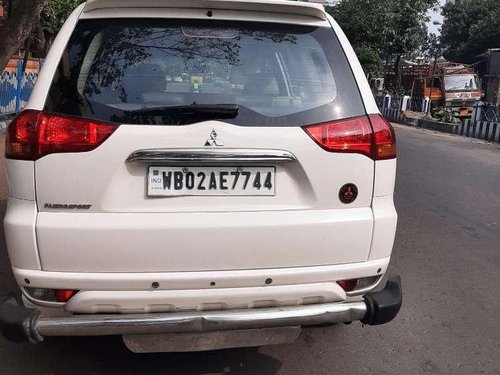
x=372 y=136
x=34 y=134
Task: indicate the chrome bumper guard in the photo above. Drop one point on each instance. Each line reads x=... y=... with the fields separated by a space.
x=18 y=323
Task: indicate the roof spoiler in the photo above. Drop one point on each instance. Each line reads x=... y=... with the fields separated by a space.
x=274 y=6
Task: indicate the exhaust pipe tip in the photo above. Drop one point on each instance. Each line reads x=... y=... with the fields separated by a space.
x=17 y=323
x=383 y=306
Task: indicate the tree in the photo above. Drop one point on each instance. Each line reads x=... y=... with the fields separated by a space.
x=408 y=29
x=431 y=47
x=32 y=23
x=471 y=27
x=54 y=17
x=364 y=24
x=23 y=18
x=379 y=29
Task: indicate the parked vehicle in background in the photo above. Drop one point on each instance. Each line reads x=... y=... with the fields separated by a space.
x=197 y=175
x=449 y=85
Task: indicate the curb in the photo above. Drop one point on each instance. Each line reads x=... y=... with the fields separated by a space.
x=443 y=127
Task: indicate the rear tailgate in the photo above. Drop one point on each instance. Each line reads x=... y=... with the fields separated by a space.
x=95 y=210
x=304 y=223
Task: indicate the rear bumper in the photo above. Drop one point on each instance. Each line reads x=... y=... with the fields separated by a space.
x=19 y=323
x=110 y=293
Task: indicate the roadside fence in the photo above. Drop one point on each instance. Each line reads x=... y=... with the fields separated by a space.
x=490 y=113
x=483 y=124
x=393 y=108
x=416 y=104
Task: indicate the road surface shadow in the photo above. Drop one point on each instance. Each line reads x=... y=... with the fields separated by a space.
x=108 y=355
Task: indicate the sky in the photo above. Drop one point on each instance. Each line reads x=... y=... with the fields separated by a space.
x=435 y=16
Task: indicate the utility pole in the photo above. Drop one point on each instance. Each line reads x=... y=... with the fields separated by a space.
x=436 y=55
x=432 y=79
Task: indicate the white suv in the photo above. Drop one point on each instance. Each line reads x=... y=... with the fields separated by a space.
x=196 y=175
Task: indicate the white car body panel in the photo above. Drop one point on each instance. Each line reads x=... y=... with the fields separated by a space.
x=304 y=239
x=277 y=7
x=118 y=186
x=229 y=15
x=384 y=230
x=19 y=225
x=385 y=177
x=123 y=302
x=20 y=179
x=202 y=241
x=199 y=280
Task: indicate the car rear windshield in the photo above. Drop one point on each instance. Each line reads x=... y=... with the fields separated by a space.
x=175 y=72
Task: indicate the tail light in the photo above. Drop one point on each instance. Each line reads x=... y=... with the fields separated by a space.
x=372 y=136
x=359 y=286
x=384 y=138
x=64 y=295
x=50 y=295
x=348 y=285
x=33 y=134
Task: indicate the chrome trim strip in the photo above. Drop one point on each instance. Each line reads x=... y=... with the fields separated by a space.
x=200 y=321
x=186 y=156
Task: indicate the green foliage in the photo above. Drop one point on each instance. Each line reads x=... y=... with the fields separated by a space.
x=56 y=14
x=449 y=115
x=363 y=22
x=378 y=28
x=431 y=47
x=370 y=58
x=471 y=27
x=407 y=26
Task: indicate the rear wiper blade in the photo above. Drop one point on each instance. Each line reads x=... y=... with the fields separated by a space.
x=209 y=110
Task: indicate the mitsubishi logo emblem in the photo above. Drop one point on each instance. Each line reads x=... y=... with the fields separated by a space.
x=213 y=141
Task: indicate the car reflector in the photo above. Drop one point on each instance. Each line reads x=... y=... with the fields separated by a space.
x=348 y=285
x=359 y=286
x=50 y=295
x=64 y=295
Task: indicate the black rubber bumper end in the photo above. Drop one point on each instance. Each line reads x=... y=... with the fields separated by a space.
x=17 y=322
x=383 y=306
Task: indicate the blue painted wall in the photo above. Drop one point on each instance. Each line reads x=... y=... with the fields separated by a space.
x=15 y=89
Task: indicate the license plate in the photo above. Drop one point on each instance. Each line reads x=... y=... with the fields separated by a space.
x=236 y=181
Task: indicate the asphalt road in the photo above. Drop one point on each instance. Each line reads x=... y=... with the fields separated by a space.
x=447 y=251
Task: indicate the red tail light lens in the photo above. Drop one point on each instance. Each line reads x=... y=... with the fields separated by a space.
x=64 y=295
x=33 y=134
x=350 y=135
x=348 y=285
x=385 y=139
x=371 y=136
